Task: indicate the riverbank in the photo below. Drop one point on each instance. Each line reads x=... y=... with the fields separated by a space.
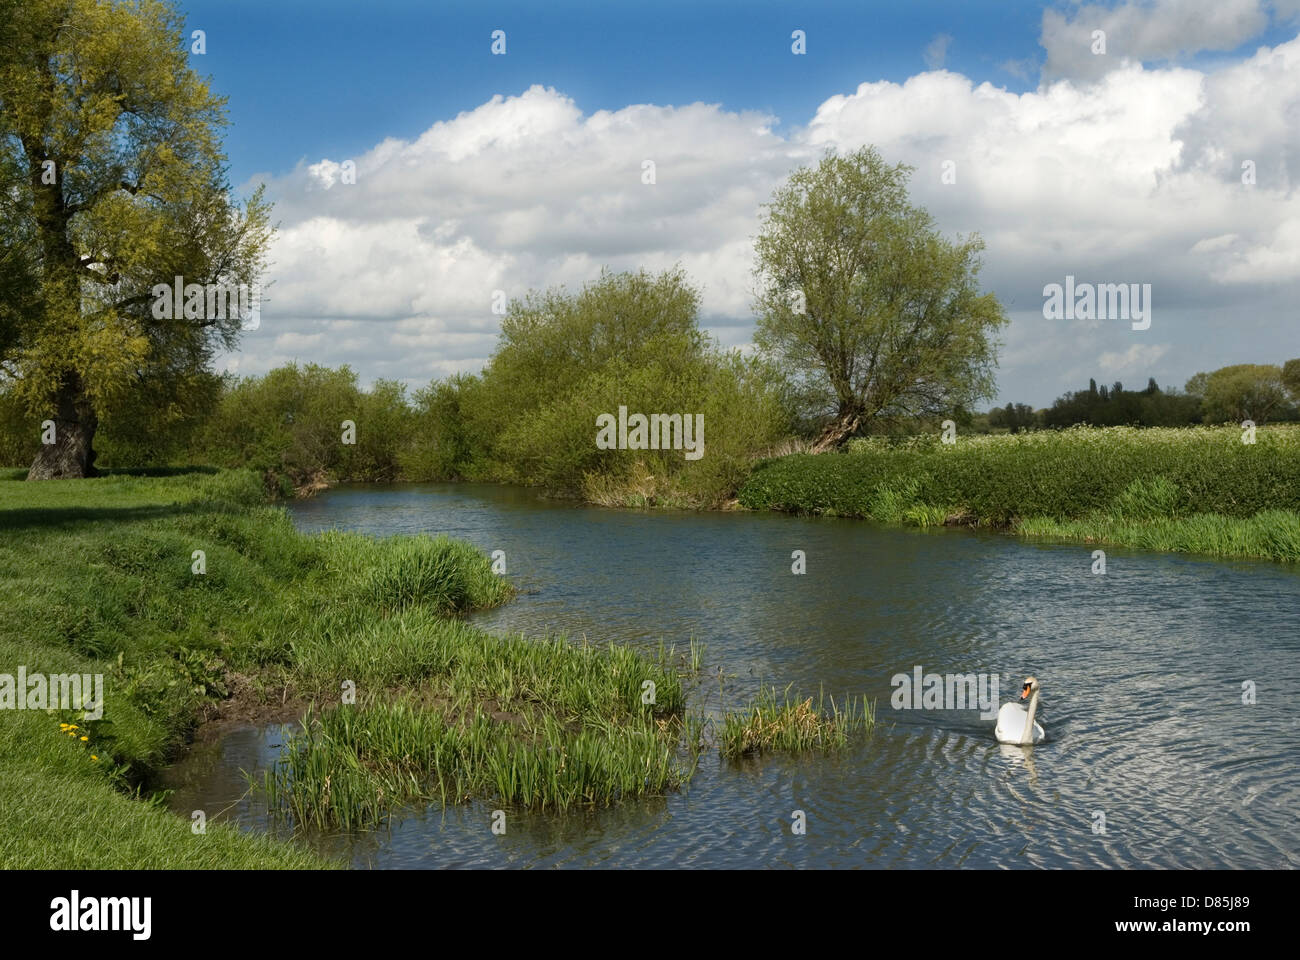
x=98 y=581
x=186 y=598
x=1197 y=490
x=188 y=595
x=1192 y=490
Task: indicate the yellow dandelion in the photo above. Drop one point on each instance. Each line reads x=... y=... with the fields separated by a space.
x=85 y=738
x=72 y=726
x=93 y=757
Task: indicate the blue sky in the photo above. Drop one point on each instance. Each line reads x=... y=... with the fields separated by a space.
x=481 y=173
x=310 y=79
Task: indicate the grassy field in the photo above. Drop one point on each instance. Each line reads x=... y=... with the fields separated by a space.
x=1194 y=490
x=97 y=581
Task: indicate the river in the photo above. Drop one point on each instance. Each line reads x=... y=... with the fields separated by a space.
x=1153 y=759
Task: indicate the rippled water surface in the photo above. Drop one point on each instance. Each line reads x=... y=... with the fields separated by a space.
x=1141 y=672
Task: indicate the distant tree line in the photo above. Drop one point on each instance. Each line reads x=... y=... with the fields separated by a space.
x=1262 y=393
x=1112 y=406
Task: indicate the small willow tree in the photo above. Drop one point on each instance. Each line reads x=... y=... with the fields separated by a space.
x=871 y=311
x=112 y=182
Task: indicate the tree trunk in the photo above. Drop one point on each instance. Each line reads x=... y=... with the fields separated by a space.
x=72 y=454
x=839 y=430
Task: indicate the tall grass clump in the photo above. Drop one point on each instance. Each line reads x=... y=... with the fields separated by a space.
x=445 y=574
x=792 y=725
x=349 y=768
x=543 y=725
x=397 y=573
x=1147 y=499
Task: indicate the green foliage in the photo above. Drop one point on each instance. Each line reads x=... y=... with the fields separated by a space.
x=553 y=339
x=1122 y=473
x=115 y=183
x=1015 y=417
x=1229 y=395
x=1245 y=391
x=141 y=430
x=1114 y=406
x=148 y=428
x=862 y=300
x=290 y=423
x=444 y=444
x=628 y=339
x=1291 y=379
x=20 y=433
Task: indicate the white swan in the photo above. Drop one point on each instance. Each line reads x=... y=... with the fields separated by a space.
x=1016 y=724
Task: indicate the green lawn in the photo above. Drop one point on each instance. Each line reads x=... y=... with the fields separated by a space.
x=97 y=580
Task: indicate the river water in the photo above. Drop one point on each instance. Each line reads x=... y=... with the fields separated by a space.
x=1152 y=757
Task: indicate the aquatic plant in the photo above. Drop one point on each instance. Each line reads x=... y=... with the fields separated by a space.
x=792 y=725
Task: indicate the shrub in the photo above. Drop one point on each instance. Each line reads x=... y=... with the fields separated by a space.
x=289 y=423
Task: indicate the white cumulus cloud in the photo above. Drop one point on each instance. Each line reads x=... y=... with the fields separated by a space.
x=1144 y=30
x=1134 y=178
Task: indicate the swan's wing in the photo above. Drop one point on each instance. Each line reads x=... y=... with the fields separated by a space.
x=1011 y=722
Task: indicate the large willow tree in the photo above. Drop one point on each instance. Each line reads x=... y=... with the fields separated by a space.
x=869 y=308
x=112 y=180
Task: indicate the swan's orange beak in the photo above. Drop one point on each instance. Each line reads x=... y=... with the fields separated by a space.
x=1024 y=691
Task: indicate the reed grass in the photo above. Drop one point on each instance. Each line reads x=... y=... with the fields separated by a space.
x=793 y=725
x=349 y=768
x=401 y=572
x=1192 y=489
x=1269 y=535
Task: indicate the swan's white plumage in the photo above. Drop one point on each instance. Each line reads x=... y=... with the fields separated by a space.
x=1011 y=725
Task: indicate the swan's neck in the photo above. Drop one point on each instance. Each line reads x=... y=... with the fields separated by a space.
x=1028 y=735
